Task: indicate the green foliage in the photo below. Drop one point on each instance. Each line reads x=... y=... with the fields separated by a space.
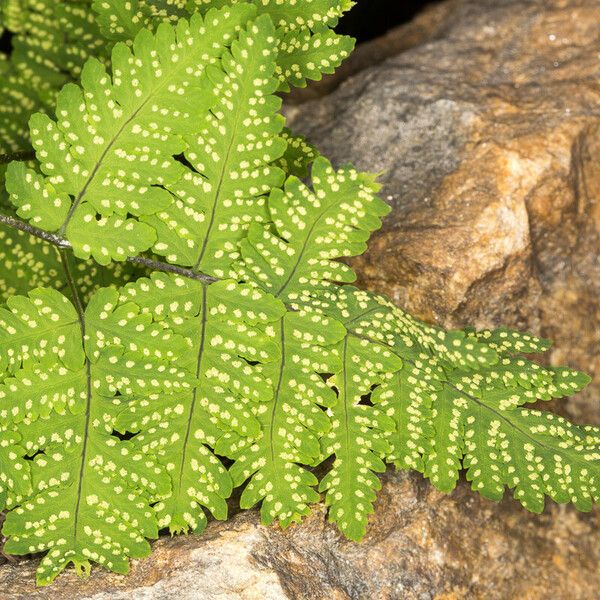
x=121 y=136
x=298 y=156
x=309 y=229
x=51 y=42
x=308 y=46
x=249 y=361
x=475 y=420
x=291 y=423
x=91 y=492
x=231 y=159
x=225 y=332
x=27 y=262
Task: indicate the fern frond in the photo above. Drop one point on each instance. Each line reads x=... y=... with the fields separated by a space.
x=119 y=417
x=291 y=423
x=476 y=420
x=91 y=491
x=111 y=151
x=232 y=159
x=311 y=228
x=223 y=322
x=52 y=42
x=309 y=47
x=306 y=56
x=356 y=438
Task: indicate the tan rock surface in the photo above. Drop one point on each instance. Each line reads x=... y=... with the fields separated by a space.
x=490 y=138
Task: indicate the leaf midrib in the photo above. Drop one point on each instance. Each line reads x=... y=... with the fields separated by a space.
x=225 y=165
x=181 y=66
x=490 y=409
x=277 y=391
x=199 y=362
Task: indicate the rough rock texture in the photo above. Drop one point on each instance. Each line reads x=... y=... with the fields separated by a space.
x=489 y=136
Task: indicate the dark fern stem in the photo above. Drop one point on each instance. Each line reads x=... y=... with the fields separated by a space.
x=141 y=261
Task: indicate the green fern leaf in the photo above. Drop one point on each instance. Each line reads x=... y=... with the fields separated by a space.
x=356 y=437
x=379 y=336
x=223 y=322
x=62 y=400
x=232 y=156
x=306 y=56
x=308 y=49
x=51 y=43
x=295 y=259
x=112 y=149
x=476 y=421
x=116 y=416
x=312 y=228
x=291 y=423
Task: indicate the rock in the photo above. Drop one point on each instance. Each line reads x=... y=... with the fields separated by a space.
x=489 y=136
x=421 y=545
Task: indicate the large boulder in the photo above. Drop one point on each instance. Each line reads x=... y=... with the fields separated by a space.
x=488 y=138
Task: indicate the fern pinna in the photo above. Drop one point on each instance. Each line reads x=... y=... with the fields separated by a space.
x=194 y=307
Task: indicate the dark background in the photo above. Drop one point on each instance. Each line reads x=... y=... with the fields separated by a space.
x=367 y=20
x=372 y=18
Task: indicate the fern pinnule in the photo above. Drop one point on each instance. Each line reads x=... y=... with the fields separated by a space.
x=224 y=323
x=232 y=156
x=107 y=157
x=308 y=47
x=68 y=371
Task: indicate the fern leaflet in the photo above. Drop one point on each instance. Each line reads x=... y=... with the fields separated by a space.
x=120 y=136
x=308 y=48
x=89 y=503
x=232 y=156
x=224 y=323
